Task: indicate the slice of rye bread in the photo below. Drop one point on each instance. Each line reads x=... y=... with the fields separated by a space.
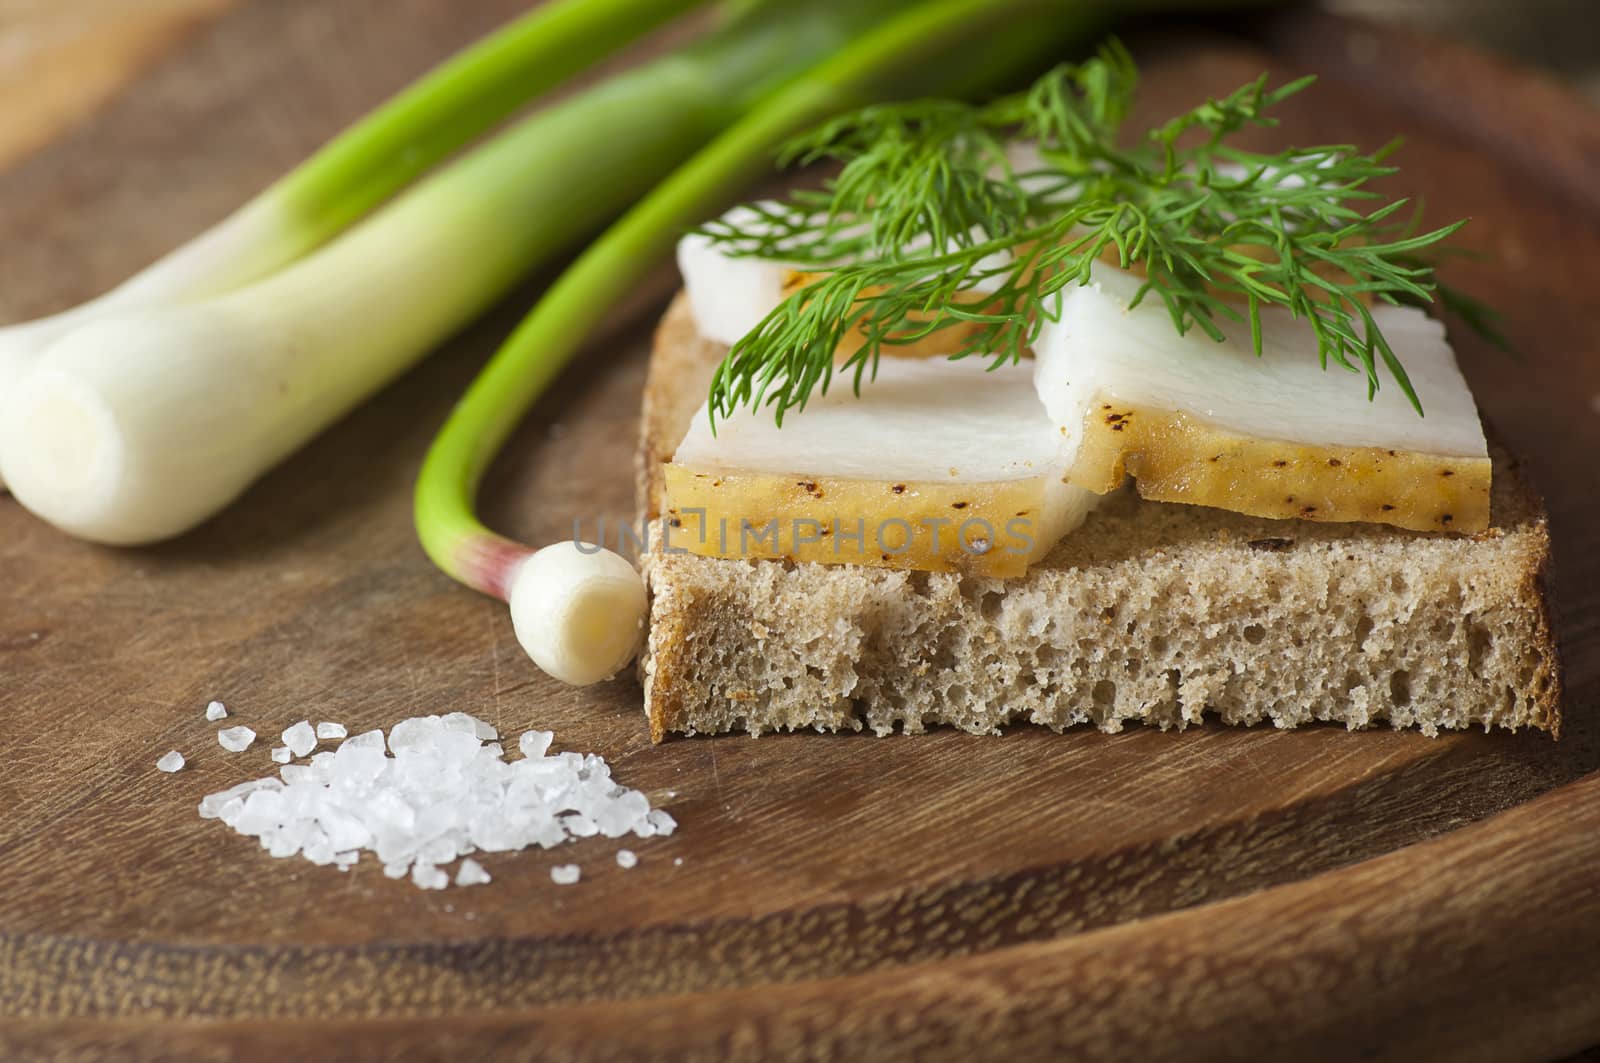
x=1151 y=611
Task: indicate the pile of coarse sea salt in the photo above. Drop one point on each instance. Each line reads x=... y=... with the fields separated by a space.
x=439 y=788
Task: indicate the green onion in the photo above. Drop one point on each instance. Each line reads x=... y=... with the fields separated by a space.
x=138 y=425
x=949 y=46
x=372 y=160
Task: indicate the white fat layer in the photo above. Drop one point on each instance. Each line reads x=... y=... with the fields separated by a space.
x=730 y=295
x=1097 y=348
x=1065 y=507
x=921 y=419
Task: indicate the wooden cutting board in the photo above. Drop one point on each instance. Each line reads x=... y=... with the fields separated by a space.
x=1205 y=894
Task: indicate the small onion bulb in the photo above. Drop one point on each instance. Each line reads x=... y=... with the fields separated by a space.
x=579 y=611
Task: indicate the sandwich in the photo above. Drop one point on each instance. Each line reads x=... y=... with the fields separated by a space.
x=1009 y=423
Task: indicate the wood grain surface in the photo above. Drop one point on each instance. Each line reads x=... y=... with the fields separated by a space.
x=1313 y=970
x=939 y=896
x=60 y=59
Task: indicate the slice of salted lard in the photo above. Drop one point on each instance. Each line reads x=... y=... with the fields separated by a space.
x=730 y=294
x=1193 y=420
x=939 y=465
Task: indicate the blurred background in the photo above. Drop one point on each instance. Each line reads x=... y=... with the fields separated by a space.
x=1563 y=36
x=60 y=59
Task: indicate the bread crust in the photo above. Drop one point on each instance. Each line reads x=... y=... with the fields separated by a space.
x=698 y=675
x=1539 y=589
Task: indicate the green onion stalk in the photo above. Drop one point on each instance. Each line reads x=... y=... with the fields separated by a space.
x=580 y=613
x=137 y=425
x=383 y=153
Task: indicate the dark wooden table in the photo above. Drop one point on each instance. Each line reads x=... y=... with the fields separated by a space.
x=1212 y=893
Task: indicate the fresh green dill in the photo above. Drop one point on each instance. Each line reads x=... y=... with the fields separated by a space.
x=933 y=202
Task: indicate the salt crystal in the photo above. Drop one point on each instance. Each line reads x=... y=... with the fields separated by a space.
x=300 y=738
x=236 y=739
x=617 y=817
x=460 y=721
x=454 y=746
x=344 y=830
x=357 y=766
x=428 y=877
x=372 y=739
x=232 y=812
x=471 y=873
x=438 y=851
x=415 y=733
x=170 y=763
x=295 y=774
x=437 y=789
x=390 y=809
x=211 y=804
x=216 y=711
x=677 y=861
x=317 y=848
x=626 y=858
x=262 y=813
x=280 y=754
x=326 y=729
x=534 y=744
x=565 y=874
x=322 y=766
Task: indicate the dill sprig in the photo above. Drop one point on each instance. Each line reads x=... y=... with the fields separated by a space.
x=931 y=205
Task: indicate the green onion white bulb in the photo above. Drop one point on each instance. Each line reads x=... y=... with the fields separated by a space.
x=578 y=610
x=364 y=166
x=137 y=426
